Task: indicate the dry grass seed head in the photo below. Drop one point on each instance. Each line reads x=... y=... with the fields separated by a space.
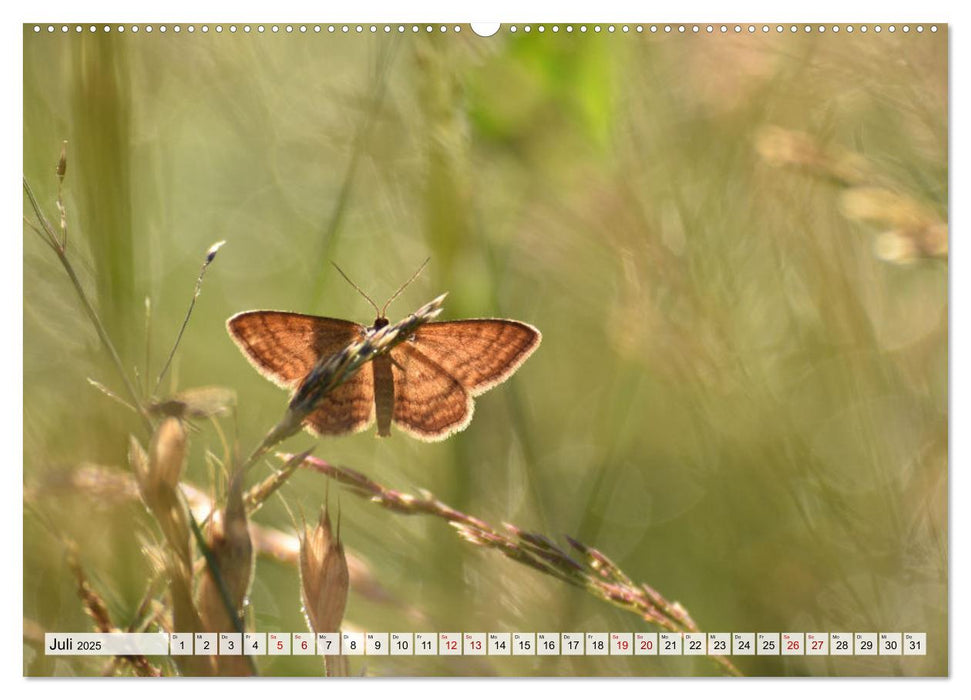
x=323 y=575
x=232 y=549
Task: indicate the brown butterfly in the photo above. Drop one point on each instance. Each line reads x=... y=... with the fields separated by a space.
x=424 y=385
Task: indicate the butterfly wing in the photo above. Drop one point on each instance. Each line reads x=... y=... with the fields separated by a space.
x=429 y=403
x=284 y=346
x=480 y=353
x=347 y=409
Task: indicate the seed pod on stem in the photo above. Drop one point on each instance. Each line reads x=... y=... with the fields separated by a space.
x=324 y=581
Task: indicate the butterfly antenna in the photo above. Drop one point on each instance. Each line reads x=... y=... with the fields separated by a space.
x=402 y=288
x=359 y=290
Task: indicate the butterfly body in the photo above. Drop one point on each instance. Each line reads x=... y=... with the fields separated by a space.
x=424 y=385
x=383 y=393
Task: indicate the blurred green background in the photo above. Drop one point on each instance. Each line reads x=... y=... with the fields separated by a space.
x=736 y=399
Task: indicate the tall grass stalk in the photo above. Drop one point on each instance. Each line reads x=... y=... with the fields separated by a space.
x=59 y=246
x=586 y=567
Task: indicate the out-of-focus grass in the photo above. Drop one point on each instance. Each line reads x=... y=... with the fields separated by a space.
x=735 y=399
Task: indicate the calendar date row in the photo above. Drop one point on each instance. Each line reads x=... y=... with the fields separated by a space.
x=495 y=644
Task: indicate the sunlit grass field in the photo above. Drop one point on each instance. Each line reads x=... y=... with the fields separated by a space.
x=735 y=247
